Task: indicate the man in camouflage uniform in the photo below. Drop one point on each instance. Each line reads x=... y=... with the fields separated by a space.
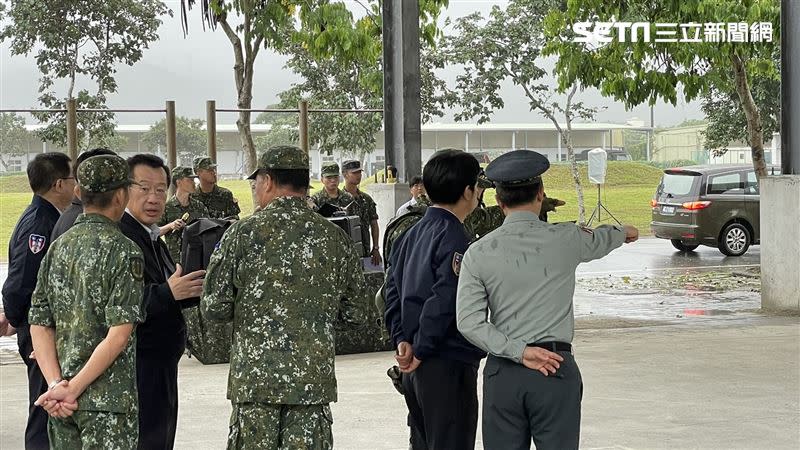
x=219 y=201
x=483 y=220
x=83 y=313
x=331 y=192
x=283 y=276
x=365 y=208
x=181 y=203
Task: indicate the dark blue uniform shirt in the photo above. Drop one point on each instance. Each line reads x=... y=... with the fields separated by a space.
x=421 y=288
x=26 y=249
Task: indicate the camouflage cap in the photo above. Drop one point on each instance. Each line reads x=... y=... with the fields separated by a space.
x=281 y=157
x=203 y=162
x=330 y=170
x=103 y=173
x=182 y=172
x=484 y=182
x=352 y=166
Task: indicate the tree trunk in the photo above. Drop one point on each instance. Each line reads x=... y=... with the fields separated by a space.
x=573 y=165
x=566 y=139
x=243 y=76
x=755 y=131
x=243 y=125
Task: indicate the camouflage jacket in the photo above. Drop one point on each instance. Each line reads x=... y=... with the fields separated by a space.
x=219 y=202
x=365 y=208
x=284 y=277
x=174 y=210
x=320 y=198
x=91 y=280
x=483 y=220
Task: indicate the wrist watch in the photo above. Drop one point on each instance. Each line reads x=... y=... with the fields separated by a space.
x=54 y=383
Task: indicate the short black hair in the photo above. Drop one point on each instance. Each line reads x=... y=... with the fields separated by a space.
x=448 y=173
x=296 y=179
x=98 y=199
x=88 y=154
x=416 y=179
x=513 y=196
x=46 y=169
x=144 y=159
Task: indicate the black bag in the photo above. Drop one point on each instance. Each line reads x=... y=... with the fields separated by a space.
x=209 y=342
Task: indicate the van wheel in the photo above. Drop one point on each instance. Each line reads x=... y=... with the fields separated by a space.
x=735 y=240
x=678 y=244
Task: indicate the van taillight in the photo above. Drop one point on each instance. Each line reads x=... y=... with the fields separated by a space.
x=653 y=203
x=693 y=206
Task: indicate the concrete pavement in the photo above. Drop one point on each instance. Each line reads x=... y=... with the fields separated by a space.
x=718 y=384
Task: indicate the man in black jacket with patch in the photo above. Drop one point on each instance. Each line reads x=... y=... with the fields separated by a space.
x=75 y=209
x=161 y=339
x=440 y=367
x=52 y=184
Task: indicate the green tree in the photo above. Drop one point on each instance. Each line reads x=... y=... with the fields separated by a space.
x=191 y=138
x=324 y=28
x=506 y=47
x=76 y=41
x=270 y=117
x=636 y=144
x=727 y=121
x=329 y=84
x=639 y=72
x=13 y=137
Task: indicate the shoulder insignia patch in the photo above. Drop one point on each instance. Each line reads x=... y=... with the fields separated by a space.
x=457 y=258
x=36 y=243
x=137 y=270
x=587 y=230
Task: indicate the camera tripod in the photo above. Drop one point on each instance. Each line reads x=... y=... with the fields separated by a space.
x=597 y=209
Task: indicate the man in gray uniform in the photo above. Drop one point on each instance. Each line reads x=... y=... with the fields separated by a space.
x=522 y=276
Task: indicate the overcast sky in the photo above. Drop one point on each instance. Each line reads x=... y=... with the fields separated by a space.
x=199 y=68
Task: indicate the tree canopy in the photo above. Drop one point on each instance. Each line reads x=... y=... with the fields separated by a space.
x=191 y=138
x=716 y=48
x=81 y=41
x=13 y=137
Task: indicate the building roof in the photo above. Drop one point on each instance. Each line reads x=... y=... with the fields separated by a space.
x=462 y=127
x=544 y=126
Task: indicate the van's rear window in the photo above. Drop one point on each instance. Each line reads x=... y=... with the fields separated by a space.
x=678 y=184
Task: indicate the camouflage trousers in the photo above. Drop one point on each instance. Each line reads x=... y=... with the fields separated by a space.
x=285 y=427
x=94 y=430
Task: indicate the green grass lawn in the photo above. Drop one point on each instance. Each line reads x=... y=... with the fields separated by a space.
x=627 y=194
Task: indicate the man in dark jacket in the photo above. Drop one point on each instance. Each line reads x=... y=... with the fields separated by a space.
x=440 y=367
x=52 y=184
x=161 y=339
x=75 y=209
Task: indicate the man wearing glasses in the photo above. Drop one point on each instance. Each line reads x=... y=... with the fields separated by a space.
x=161 y=339
x=52 y=183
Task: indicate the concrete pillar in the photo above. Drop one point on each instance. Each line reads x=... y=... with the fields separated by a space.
x=388 y=197
x=401 y=85
x=780 y=248
x=790 y=82
x=780 y=195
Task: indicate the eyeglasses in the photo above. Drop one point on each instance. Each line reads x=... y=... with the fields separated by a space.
x=148 y=190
